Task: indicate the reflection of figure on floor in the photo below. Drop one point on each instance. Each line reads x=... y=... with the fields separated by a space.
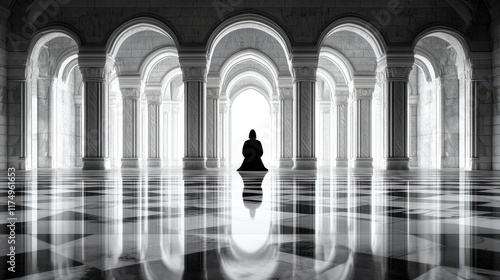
x=252 y=193
x=252 y=151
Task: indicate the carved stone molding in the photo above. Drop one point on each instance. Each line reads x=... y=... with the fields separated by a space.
x=194 y=74
x=305 y=73
x=94 y=73
x=397 y=73
x=131 y=93
x=286 y=93
x=213 y=93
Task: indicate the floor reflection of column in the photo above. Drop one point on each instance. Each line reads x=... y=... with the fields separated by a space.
x=389 y=227
x=333 y=259
x=195 y=224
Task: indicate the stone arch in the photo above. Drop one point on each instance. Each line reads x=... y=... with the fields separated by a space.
x=153 y=58
x=341 y=61
x=360 y=27
x=133 y=26
x=253 y=21
x=249 y=55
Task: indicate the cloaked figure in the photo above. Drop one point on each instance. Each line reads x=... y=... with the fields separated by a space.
x=252 y=151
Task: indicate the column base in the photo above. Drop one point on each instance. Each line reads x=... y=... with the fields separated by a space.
x=213 y=163
x=19 y=164
x=473 y=164
x=223 y=162
x=130 y=163
x=285 y=163
x=194 y=163
x=395 y=164
x=154 y=162
x=362 y=163
x=305 y=164
x=95 y=163
x=341 y=162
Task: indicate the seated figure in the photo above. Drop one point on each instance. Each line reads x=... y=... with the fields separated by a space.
x=252 y=151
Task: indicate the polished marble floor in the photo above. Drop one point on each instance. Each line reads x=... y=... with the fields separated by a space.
x=219 y=224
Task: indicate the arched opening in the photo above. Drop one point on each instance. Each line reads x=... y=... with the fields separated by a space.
x=54 y=102
x=347 y=95
x=149 y=91
x=250 y=109
x=438 y=110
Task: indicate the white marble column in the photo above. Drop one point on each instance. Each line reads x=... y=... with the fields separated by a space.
x=131 y=125
x=176 y=132
x=154 y=129
x=24 y=161
x=472 y=121
x=78 y=130
x=396 y=118
x=167 y=128
x=360 y=122
x=213 y=95
x=413 y=130
x=96 y=105
x=325 y=135
x=194 y=117
x=286 y=117
x=223 y=134
x=305 y=118
x=341 y=112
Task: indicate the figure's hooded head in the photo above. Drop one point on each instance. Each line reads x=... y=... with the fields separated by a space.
x=252 y=134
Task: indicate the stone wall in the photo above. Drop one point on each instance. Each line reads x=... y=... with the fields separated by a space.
x=495 y=29
x=3 y=96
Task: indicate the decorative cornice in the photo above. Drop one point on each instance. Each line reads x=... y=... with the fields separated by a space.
x=194 y=74
x=304 y=74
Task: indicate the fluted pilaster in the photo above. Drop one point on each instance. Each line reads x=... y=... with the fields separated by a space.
x=341 y=115
x=396 y=118
x=154 y=129
x=360 y=121
x=286 y=116
x=194 y=116
x=472 y=121
x=213 y=95
x=131 y=132
x=305 y=125
x=96 y=100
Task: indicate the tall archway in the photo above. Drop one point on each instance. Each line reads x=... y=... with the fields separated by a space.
x=144 y=51
x=53 y=116
x=440 y=139
x=254 y=46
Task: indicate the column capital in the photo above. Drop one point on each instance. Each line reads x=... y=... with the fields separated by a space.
x=194 y=74
x=213 y=93
x=94 y=63
x=394 y=74
x=154 y=99
x=285 y=93
x=361 y=93
x=78 y=99
x=130 y=93
x=94 y=73
x=304 y=73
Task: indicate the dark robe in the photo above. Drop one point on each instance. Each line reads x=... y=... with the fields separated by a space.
x=252 y=151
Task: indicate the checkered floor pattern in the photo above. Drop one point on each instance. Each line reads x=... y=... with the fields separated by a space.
x=283 y=224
